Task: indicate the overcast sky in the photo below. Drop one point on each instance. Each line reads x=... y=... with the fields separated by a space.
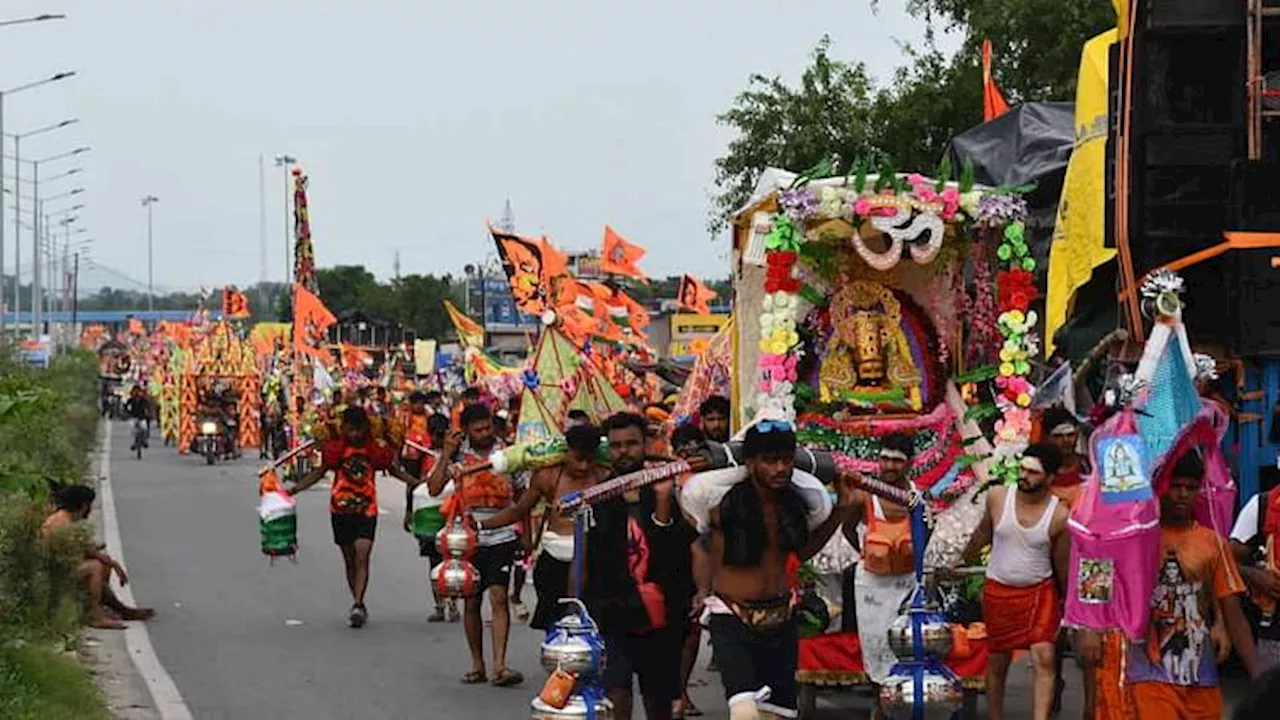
x=416 y=120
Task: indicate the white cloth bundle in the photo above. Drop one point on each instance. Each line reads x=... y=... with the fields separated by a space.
x=705 y=491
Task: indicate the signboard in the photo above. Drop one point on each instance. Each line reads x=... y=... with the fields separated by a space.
x=586 y=266
x=37 y=352
x=494 y=295
x=686 y=328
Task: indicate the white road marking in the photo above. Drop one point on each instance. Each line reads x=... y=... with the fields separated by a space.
x=164 y=694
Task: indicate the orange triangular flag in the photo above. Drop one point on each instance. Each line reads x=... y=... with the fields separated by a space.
x=694 y=295
x=619 y=257
x=311 y=319
x=637 y=314
x=993 y=103
x=554 y=262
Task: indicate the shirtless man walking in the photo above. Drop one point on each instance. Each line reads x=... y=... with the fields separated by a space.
x=578 y=472
x=761 y=528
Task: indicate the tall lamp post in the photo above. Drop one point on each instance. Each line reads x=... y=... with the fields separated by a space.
x=36 y=227
x=3 y=93
x=287 y=162
x=35 y=233
x=147 y=202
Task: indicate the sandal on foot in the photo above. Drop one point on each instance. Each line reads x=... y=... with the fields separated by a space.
x=437 y=616
x=507 y=678
x=475 y=677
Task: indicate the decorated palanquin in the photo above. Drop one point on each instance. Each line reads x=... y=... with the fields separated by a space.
x=865 y=320
x=217 y=352
x=866 y=325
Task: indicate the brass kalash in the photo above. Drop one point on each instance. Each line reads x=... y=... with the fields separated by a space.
x=868 y=360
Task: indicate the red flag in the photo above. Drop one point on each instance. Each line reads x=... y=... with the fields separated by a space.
x=694 y=295
x=619 y=257
x=311 y=320
x=993 y=103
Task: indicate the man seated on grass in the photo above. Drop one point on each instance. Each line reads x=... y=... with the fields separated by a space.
x=72 y=505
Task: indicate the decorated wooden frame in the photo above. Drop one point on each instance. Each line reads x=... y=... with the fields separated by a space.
x=863 y=320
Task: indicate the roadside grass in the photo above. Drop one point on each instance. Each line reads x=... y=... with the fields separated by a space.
x=37 y=683
x=48 y=428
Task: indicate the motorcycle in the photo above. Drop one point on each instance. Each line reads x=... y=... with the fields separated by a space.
x=141 y=431
x=208 y=442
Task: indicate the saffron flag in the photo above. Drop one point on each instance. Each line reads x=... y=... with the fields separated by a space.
x=311 y=321
x=530 y=265
x=695 y=296
x=619 y=257
x=235 y=306
x=993 y=103
x=470 y=333
x=637 y=314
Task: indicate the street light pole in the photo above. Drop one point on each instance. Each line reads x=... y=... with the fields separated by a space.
x=16 y=267
x=147 y=202
x=38 y=18
x=17 y=235
x=287 y=162
x=59 y=76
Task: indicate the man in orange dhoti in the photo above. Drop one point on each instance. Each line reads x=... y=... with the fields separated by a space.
x=1026 y=527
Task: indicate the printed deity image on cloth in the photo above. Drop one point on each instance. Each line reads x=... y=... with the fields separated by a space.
x=1123 y=470
x=1096 y=580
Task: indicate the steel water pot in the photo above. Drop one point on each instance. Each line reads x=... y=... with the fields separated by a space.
x=936 y=638
x=574 y=644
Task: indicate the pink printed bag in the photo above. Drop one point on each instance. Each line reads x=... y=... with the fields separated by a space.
x=1115 y=534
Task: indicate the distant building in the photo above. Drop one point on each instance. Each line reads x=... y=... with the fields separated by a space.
x=369 y=332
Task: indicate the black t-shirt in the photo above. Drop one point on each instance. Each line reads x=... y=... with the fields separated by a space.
x=138 y=408
x=610 y=591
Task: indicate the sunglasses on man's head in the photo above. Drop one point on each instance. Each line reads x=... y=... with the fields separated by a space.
x=768 y=426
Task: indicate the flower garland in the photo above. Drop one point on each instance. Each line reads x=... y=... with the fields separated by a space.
x=1016 y=291
x=779 y=338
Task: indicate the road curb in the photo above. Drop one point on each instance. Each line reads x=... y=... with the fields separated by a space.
x=165 y=697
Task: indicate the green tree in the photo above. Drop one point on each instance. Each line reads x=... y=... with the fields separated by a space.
x=417 y=301
x=837 y=108
x=831 y=111
x=1036 y=43
x=350 y=287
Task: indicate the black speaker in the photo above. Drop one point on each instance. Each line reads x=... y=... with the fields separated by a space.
x=1255 y=196
x=1256 y=301
x=1187 y=127
x=1180 y=14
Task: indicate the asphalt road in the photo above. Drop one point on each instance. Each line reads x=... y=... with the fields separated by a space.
x=243 y=639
